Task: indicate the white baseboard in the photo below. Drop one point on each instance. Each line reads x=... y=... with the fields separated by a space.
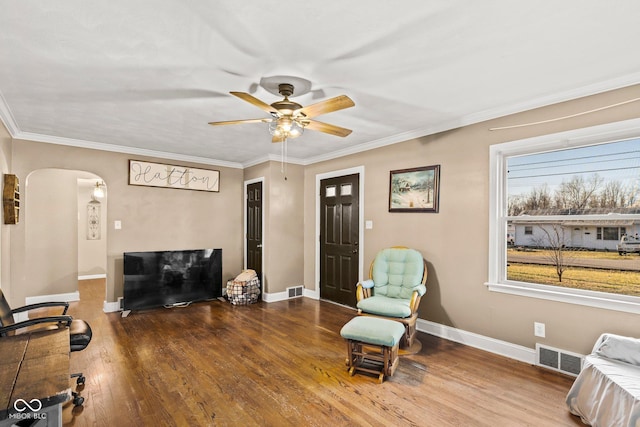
x=281 y=296
x=111 y=307
x=503 y=348
x=275 y=296
x=92 y=276
x=311 y=294
x=68 y=297
x=71 y=296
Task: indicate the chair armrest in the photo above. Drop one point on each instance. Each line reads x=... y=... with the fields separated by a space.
x=37 y=321
x=420 y=289
x=416 y=295
x=42 y=305
x=363 y=290
x=367 y=284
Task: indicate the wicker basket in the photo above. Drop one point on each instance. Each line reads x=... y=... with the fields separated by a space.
x=244 y=289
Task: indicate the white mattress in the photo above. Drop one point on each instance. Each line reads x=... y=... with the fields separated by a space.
x=606 y=393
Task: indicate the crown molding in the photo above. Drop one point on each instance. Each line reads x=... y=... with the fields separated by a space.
x=274 y=158
x=470 y=119
x=36 y=137
x=7 y=118
x=629 y=80
x=556 y=98
x=382 y=142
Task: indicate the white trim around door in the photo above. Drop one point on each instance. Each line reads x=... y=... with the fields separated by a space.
x=359 y=170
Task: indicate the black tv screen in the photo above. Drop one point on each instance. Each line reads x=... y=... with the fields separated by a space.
x=167 y=278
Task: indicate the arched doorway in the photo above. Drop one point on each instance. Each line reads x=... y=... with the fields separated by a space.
x=57 y=238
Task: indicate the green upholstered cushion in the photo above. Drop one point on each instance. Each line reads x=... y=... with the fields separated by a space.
x=385 y=306
x=372 y=330
x=397 y=272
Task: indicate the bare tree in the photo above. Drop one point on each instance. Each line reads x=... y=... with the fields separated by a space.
x=555 y=241
x=514 y=205
x=632 y=196
x=577 y=193
x=538 y=198
x=612 y=195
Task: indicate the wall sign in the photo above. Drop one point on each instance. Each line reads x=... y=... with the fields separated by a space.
x=170 y=176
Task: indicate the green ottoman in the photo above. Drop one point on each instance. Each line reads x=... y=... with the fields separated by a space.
x=372 y=345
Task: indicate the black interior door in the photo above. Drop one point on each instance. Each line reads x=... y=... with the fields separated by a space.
x=254 y=229
x=339 y=231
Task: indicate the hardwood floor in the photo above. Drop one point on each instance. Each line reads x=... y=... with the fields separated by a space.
x=282 y=364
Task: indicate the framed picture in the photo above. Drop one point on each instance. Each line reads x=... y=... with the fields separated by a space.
x=414 y=190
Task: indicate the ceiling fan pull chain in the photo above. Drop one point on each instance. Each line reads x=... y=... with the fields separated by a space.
x=283 y=163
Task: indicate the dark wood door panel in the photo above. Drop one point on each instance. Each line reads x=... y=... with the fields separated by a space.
x=254 y=228
x=339 y=246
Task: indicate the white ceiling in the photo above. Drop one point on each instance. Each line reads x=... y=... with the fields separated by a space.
x=145 y=77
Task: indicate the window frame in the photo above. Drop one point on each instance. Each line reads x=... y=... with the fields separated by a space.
x=497 y=281
x=606 y=233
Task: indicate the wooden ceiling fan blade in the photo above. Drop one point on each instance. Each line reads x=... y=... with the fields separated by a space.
x=327 y=128
x=235 y=122
x=255 y=101
x=327 y=106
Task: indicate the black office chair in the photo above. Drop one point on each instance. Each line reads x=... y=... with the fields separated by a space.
x=79 y=331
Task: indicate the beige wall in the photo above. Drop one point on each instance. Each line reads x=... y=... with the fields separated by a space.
x=283 y=229
x=152 y=218
x=455 y=240
x=50 y=223
x=5 y=230
x=286 y=221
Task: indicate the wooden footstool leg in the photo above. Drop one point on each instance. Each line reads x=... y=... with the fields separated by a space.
x=386 y=356
x=347 y=361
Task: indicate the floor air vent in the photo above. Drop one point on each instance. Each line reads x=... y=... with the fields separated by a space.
x=559 y=360
x=294 y=292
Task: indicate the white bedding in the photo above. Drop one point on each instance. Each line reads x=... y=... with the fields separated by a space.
x=607 y=391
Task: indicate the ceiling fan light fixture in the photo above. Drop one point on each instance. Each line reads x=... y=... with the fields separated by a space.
x=296 y=130
x=289 y=119
x=285 y=128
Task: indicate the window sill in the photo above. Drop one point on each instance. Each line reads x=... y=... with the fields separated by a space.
x=602 y=300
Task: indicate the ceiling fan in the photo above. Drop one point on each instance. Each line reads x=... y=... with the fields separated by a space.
x=289 y=119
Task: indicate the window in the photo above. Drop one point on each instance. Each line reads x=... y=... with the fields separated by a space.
x=610 y=233
x=330 y=191
x=568 y=199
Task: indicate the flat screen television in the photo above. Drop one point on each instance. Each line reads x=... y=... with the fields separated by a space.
x=168 y=278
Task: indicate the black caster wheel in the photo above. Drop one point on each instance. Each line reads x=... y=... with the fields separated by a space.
x=80 y=380
x=78 y=401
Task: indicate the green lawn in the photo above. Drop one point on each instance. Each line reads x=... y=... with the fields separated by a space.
x=612 y=281
x=577 y=254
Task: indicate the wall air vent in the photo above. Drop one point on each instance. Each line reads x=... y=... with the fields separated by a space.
x=559 y=360
x=294 y=292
